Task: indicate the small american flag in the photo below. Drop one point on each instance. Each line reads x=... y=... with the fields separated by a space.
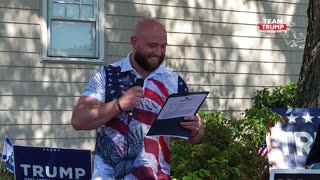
x=263 y=150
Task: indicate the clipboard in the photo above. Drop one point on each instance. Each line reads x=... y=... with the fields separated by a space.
x=175 y=108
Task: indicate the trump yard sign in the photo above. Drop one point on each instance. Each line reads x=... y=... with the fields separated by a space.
x=44 y=163
x=289 y=143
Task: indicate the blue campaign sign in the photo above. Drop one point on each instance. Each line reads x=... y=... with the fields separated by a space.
x=44 y=163
x=289 y=142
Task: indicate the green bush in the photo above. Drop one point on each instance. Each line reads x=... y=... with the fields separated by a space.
x=280 y=97
x=220 y=155
x=228 y=149
x=260 y=117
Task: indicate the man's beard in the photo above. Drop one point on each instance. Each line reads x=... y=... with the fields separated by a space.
x=142 y=61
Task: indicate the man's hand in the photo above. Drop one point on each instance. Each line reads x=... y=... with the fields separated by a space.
x=131 y=98
x=193 y=123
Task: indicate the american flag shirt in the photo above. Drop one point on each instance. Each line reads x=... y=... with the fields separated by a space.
x=123 y=151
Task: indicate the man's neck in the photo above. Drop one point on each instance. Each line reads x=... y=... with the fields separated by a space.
x=143 y=73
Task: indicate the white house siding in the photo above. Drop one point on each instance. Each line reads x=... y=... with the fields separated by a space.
x=215 y=45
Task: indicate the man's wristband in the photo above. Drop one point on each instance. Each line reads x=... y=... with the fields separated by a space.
x=118 y=105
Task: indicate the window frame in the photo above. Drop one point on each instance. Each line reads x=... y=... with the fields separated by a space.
x=45 y=35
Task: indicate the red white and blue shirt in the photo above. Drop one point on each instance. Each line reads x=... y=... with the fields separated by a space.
x=123 y=151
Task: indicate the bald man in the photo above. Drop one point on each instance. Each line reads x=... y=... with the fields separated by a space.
x=123 y=151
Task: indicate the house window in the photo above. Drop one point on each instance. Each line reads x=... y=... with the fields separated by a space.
x=73 y=30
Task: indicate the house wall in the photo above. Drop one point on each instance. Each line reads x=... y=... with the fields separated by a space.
x=214 y=45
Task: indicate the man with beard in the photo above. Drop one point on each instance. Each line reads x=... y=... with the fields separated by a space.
x=122 y=112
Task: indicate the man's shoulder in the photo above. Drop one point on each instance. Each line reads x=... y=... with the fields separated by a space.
x=115 y=66
x=111 y=67
x=165 y=71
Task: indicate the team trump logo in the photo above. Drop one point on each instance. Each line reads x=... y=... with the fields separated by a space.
x=274 y=25
x=271 y=27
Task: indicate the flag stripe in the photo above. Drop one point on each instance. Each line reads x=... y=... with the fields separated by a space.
x=7 y=154
x=263 y=149
x=8 y=141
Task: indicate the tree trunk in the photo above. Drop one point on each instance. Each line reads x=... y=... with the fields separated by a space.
x=308 y=91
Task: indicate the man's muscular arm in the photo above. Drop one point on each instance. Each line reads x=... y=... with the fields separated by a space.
x=90 y=113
